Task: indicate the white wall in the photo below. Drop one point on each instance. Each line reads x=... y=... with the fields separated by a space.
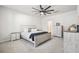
x=65 y=19
x=11 y=21
x=78 y=10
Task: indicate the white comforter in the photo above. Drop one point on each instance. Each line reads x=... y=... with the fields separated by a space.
x=26 y=35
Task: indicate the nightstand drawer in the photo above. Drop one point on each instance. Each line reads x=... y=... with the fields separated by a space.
x=15 y=35
x=12 y=37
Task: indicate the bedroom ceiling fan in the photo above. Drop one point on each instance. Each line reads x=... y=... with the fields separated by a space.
x=43 y=11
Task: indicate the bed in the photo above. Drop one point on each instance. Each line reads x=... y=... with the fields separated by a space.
x=35 y=36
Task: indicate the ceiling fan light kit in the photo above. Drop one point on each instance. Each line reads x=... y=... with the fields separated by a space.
x=41 y=13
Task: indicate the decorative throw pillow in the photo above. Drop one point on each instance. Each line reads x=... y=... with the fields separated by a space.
x=29 y=29
x=25 y=30
x=33 y=30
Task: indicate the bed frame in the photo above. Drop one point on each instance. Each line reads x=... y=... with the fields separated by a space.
x=39 y=38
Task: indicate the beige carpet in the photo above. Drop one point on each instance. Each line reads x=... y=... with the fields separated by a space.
x=54 y=45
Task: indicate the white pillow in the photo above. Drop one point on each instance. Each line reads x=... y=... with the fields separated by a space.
x=33 y=30
x=25 y=30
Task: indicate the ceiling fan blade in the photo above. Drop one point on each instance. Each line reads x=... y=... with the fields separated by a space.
x=47 y=7
x=36 y=13
x=41 y=7
x=48 y=13
x=35 y=9
x=44 y=13
x=49 y=10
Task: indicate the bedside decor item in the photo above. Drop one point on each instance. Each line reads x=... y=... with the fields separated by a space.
x=73 y=28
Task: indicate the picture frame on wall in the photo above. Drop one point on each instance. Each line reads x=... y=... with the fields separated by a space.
x=57 y=24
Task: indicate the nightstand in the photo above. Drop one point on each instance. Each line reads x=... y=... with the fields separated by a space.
x=14 y=36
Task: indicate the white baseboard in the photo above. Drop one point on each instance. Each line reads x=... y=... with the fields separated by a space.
x=4 y=40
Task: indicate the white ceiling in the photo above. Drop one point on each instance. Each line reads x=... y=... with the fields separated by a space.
x=27 y=9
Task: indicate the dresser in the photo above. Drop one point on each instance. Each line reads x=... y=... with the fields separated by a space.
x=58 y=31
x=71 y=42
